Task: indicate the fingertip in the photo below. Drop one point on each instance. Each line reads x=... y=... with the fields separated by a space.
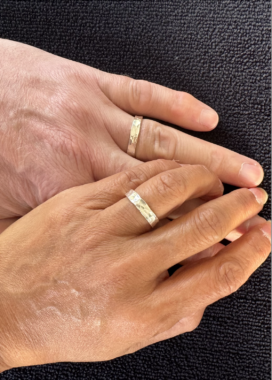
x=208 y=118
x=260 y=195
x=251 y=174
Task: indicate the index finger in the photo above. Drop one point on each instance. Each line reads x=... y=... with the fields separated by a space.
x=210 y=279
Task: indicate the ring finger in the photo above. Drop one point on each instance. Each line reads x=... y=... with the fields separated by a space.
x=159 y=141
x=164 y=193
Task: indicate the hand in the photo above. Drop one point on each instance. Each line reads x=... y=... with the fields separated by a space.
x=64 y=124
x=84 y=278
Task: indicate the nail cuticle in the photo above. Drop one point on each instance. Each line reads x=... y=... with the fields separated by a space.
x=258 y=194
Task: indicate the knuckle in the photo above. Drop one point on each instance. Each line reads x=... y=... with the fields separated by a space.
x=72 y=73
x=136 y=176
x=177 y=102
x=216 y=159
x=132 y=178
x=230 y=275
x=209 y=224
x=163 y=141
x=75 y=106
x=162 y=165
x=140 y=93
x=170 y=183
x=60 y=209
x=55 y=217
x=63 y=70
x=261 y=247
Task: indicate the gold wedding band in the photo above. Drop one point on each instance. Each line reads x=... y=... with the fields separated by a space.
x=143 y=207
x=134 y=134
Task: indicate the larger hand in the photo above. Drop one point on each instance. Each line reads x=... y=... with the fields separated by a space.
x=83 y=278
x=64 y=124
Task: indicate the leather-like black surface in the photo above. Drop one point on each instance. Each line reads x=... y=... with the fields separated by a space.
x=217 y=50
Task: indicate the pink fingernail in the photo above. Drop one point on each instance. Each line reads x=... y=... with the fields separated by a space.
x=251 y=174
x=266 y=229
x=179 y=162
x=260 y=195
x=208 y=118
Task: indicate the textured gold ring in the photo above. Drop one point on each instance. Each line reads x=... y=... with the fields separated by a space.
x=143 y=207
x=134 y=134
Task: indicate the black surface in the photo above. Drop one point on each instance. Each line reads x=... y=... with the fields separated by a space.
x=219 y=52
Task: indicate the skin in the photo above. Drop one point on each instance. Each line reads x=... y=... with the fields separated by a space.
x=65 y=124
x=83 y=277
x=58 y=128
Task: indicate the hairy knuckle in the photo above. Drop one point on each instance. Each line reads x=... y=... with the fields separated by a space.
x=230 y=276
x=140 y=93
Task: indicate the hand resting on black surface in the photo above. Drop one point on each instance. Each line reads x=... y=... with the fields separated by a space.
x=83 y=277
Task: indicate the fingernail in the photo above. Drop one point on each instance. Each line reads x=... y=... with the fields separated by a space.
x=208 y=118
x=266 y=229
x=260 y=195
x=221 y=186
x=178 y=162
x=251 y=173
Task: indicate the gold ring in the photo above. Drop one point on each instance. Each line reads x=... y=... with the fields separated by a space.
x=134 y=134
x=143 y=207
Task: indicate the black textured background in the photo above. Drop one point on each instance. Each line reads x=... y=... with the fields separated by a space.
x=219 y=51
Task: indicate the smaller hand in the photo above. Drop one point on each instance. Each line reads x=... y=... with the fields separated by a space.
x=84 y=278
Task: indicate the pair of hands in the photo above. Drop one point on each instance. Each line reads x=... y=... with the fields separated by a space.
x=82 y=277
